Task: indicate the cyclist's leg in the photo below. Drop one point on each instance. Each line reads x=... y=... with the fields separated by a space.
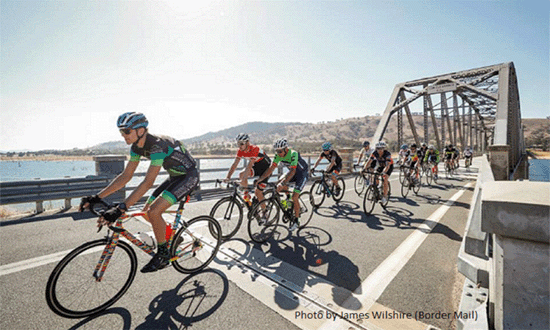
x=244 y=175
x=259 y=169
x=300 y=180
x=387 y=181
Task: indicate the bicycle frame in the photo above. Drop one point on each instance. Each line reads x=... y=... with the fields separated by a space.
x=325 y=185
x=118 y=230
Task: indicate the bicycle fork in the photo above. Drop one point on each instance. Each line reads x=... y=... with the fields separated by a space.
x=105 y=257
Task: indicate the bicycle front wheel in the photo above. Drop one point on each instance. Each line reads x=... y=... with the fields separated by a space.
x=405 y=186
x=318 y=193
x=306 y=208
x=263 y=220
x=342 y=185
x=359 y=184
x=198 y=241
x=429 y=177
x=72 y=290
x=229 y=214
x=369 y=200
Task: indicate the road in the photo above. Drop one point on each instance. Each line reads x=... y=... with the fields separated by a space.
x=398 y=263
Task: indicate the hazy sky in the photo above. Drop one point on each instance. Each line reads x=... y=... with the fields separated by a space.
x=69 y=68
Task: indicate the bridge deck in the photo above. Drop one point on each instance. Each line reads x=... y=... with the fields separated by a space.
x=402 y=260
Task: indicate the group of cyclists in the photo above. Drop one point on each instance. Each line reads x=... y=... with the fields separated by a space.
x=169 y=154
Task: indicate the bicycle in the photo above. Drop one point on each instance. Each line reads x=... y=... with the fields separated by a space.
x=230 y=207
x=93 y=277
x=410 y=182
x=265 y=215
x=468 y=162
x=361 y=180
x=449 y=168
x=374 y=193
x=324 y=186
x=430 y=174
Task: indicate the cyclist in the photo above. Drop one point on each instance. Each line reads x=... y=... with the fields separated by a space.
x=298 y=174
x=432 y=157
x=422 y=152
x=163 y=152
x=335 y=165
x=414 y=162
x=258 y=163
x=450 y=154
x=383 y=158
x=468 y=155
x=456 y=156
x=403 y=154
x=365 y=152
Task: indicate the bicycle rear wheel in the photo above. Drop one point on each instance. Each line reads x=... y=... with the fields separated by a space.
x=306 y=208
x=369 y=200
x=72 y=291
x=429 y=176
x=401 y=174
x=318 y=193
x=263 y=220
x=198 y=242
x=342 y=185
x=229 y=214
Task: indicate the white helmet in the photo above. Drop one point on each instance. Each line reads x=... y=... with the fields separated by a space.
x=431 y=147
x=381 y=144
x=280 y=144
x=242 y=137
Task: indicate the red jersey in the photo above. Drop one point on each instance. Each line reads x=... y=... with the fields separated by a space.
x=253 y=153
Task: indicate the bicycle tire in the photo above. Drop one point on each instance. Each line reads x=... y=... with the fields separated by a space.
x=76 y=270
x=416 y=187
x=370 y=199
x=260 y=232
x=429 y=177
x=401 y=174
x=342 y=185
x=318 y=193
x=306 y=208
x=359 y=184
x=229 y=209
x=405 y=186
x=389 y=194
x=201 y=233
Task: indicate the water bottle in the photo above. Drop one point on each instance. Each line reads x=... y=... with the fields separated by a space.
x=246 y=198
x=147 y=239
x=284 y=204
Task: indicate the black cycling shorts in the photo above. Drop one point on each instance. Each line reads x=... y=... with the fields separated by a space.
x=336 y=168
x=175 y=188
x=258 y=169
x=380 y=169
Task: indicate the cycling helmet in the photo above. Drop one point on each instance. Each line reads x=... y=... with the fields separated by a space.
x=242 y=137
x=423 y=144
x=132 y=120
x=404 y=147
x=326 y=146
x=381 y=144
x=413 y=145
x=450 y=146
x=366 y=144
x=280 y=144
x=431 y=147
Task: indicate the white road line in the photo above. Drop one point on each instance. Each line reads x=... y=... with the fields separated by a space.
x=376 y=283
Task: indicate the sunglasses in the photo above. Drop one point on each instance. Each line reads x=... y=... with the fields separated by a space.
x=242 y=143
x=125 y=131
x=279 y=151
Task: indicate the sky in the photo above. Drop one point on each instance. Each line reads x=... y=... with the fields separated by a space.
x=70 y=68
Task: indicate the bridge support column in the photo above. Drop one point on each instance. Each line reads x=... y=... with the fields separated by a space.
x=111 y=166
x=347 y=159
x=499 y=160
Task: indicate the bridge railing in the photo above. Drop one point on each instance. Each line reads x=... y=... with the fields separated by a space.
x=107 y=167
x=505 y=253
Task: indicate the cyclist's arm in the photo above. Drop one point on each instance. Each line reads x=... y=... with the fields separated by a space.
x=289 y=175
x=317 y=162
x=144 y=186
x=332 y=163
x=360 y=157
x=233 y=167
x=367 y=164
x=268 y=172
x=121 y=180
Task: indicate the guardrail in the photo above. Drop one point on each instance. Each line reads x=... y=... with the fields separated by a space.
x=107 y=167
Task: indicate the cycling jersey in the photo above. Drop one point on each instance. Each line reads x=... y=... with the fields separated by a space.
x=338 y=160
x=432 y=156
x=467 y=153
x=166 y=152
x=291 y=160
x=413 y=157
x=421 y=153
x=259 y=157
x=383 y=159
x=450 y=153
x=366 y=153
